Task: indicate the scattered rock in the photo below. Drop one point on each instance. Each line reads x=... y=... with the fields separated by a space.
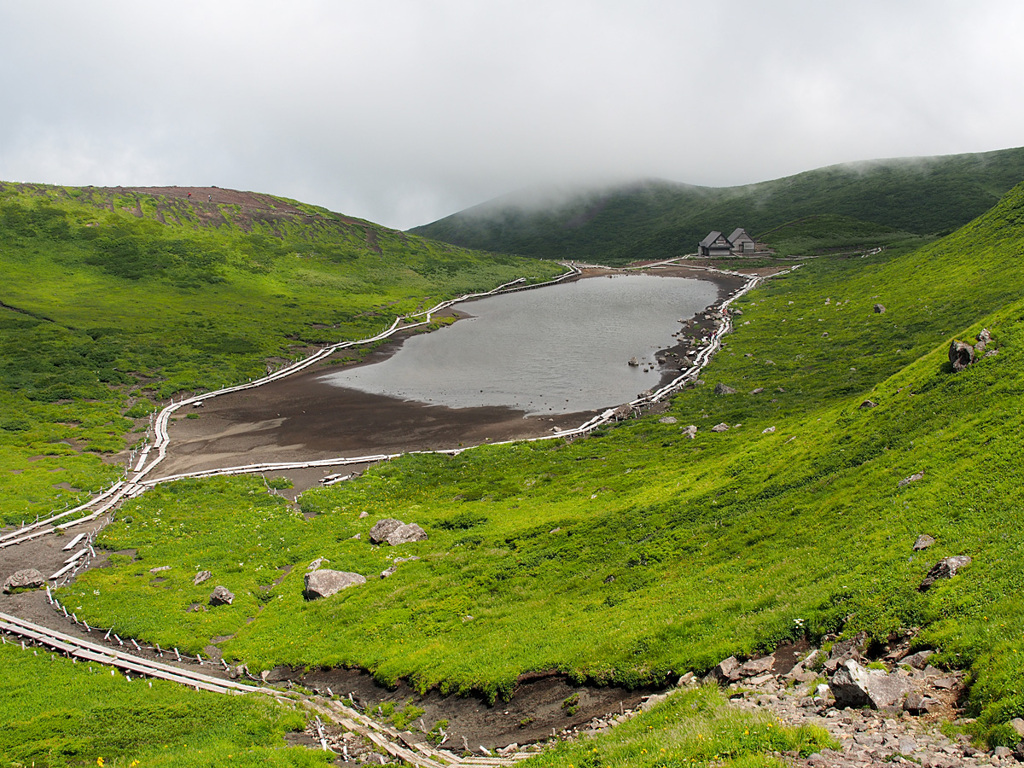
x=221 y=596
x=668 y=420
x=944 y=569
x=200 y=577
x=912 y=479
x=324 y=583
x=923 y=542
x=690 y=431
x=757 y=390
x=317 y=563
x=1018 y=725
x=725 y=672
x=869 y=404
x=406 y=534
x=383 y=528
x=633 y=362
x=160 y=569
x=722 y=427
x=767 y=430
x=855 y=686
x=26 y=578
x=389 y=571
x=961 y=355
x=918 y=660
x=755 y=667
x=724 y=389
x=363 y=514
x=879 y=309
x=917 y=703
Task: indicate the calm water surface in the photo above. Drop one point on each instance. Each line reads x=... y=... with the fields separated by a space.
x=558 y=349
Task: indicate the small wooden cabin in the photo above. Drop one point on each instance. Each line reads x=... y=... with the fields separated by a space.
x=714 y=246
x=740 y=242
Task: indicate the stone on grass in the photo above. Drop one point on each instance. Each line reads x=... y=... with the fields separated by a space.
x=879 y=309
x=27 y=578
x=944 y=569
x=855 y=686
x=869 y=404
x=406 y=534
x=923 y=542
x=757 y=666
x=667 y=420
x=383 y=528
x=722 y=427
x=912 y=479
x=221 y=596
x=324 y=583
x=201 y=577
x=918 y=660
x=961 y=355
x=160 y=569
x=690 y=431
x=724 y=389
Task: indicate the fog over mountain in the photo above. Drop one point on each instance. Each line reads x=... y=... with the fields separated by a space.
x=403 y=112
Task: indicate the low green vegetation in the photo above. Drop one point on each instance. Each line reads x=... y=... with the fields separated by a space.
x=693 y=728
x=114 y=300
x=57 y=714
x=636 y=554
x=661 y=219
x=835 y=235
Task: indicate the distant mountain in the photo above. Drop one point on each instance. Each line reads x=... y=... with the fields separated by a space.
x=656 y=218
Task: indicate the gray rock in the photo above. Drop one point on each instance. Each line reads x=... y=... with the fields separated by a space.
x=406 y=534
x=380 y=532
x=389 y=571
x=879 y=309
x=1018 y=725
x=923 y=542
x=918 y=660
x=725 y=672
x=668 y=420
x=757 y=390
x=757 y=666
x=855 y=686
x=912 y=479
x=160 y=569
x=324 y=583
x=944 y=569
x=26 y=578
x=200 y=577
x=724 y=389
x=690 y=431
x=868 y=404
x=961 y=355
x=722 y=427
x=221 y=596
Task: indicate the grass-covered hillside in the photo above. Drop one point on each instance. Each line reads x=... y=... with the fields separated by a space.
x=636 y=554
x=661 y=219
x=114 y=299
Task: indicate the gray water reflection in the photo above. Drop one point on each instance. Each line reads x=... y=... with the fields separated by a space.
x=558 y=349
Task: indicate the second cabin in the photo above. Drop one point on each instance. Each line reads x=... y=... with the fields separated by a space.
x=716 y=245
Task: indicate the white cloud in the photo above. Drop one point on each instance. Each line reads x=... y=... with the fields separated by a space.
x=402 y=111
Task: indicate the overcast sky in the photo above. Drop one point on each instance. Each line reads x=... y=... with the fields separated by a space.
x=403 y=111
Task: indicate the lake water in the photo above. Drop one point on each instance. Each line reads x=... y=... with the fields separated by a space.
x=558 y=349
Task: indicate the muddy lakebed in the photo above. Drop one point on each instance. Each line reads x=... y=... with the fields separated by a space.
x=514 y=366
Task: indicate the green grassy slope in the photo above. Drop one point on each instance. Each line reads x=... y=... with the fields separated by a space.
x=636 y=554
x=58 y=714
x=115 y=299
x=659 y=219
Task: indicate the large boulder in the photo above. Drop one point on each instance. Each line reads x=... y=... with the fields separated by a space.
x=27 y=578
x=725 y=672
x=221 y=596
x=324 y=583
x=854 y=686
x=380 y=532
x=961 y=355
x=405 y=534
x=944 y=569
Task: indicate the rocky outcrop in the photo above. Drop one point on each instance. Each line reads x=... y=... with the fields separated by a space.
x=394 y=532
x=944 y=569
x=324 y=583
x=27 y=578
x=221 y=596
x=855 y=686
x=383 y=528
x=961 y=355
